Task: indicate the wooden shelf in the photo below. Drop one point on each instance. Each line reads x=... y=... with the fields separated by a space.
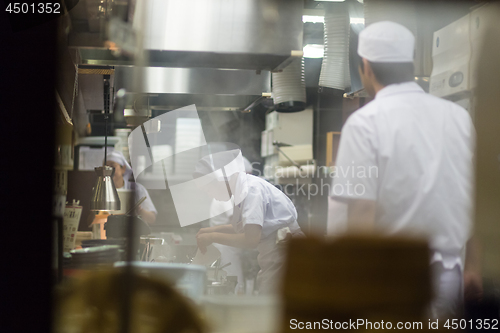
x=332 y=146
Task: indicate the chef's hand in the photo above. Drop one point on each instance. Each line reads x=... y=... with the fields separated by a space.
x=203 y=240
x=204 y=231
x=146 y=215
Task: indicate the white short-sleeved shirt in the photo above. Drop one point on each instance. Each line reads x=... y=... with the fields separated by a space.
x=140 y=192
x=263 y=205
x=336 y=223
x=412 y=153
x=220 y=219
x=228 y=254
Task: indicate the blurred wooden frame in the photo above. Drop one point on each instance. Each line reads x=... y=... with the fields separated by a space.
x=358 y=276
x=487 y=122
x=332 y=146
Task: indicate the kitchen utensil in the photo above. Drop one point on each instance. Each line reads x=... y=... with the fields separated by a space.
x=215 y=274
x=209 y=257
x=225 y=287
x=135 y=206
x=218 y=269
x=150 y=243
x=228 y=264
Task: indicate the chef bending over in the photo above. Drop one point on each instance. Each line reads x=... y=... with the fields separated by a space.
x=260 y=210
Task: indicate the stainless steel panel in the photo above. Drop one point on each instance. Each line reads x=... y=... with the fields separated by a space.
x=223 y=26
x=202 y=102
x=209 y=89
x=92 y=87
x=156 y=58
x=161 y=80
x=236 y=34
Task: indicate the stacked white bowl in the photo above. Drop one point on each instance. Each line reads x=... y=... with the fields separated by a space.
x=290 y=85
x=335 y=67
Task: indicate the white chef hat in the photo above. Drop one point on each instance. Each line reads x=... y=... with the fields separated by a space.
x=117 y=157
x=231 y=161
x=248 y=165
x=220 y=167
x=387 y=42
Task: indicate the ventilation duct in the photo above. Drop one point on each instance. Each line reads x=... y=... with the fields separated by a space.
x=343 y=22
x=289 y=88
x=236 y=34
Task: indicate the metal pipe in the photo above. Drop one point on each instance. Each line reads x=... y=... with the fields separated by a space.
x=277 y=145
x=127 y=282
x=106 y=115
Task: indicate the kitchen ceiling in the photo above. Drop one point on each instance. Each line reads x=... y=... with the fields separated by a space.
x=238 y=34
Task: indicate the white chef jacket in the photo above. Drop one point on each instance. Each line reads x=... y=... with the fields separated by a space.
x=228 y=254
x=336 y=223
x=412 y=153
x=140 y=192
x=270 y=208
x=263 y=205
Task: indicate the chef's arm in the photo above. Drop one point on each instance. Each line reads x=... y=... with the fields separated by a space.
x=473 y=284
x=360 y=215
x=247 y=240
x=225 y=229
x=148 y=216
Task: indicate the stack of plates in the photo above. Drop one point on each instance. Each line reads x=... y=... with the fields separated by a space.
x=335 y=67
x=99 y=255
x=289 y=85
x=101 y=242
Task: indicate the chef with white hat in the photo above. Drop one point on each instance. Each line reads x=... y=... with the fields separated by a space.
x=262 y=216
x=121 y=176
x=405 y=164
x=229 y=254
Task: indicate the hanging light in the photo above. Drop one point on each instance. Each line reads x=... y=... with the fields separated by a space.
x=104 y=194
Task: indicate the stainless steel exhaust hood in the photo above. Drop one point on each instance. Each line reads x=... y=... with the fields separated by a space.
x=210 y=89
x=238 y=34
